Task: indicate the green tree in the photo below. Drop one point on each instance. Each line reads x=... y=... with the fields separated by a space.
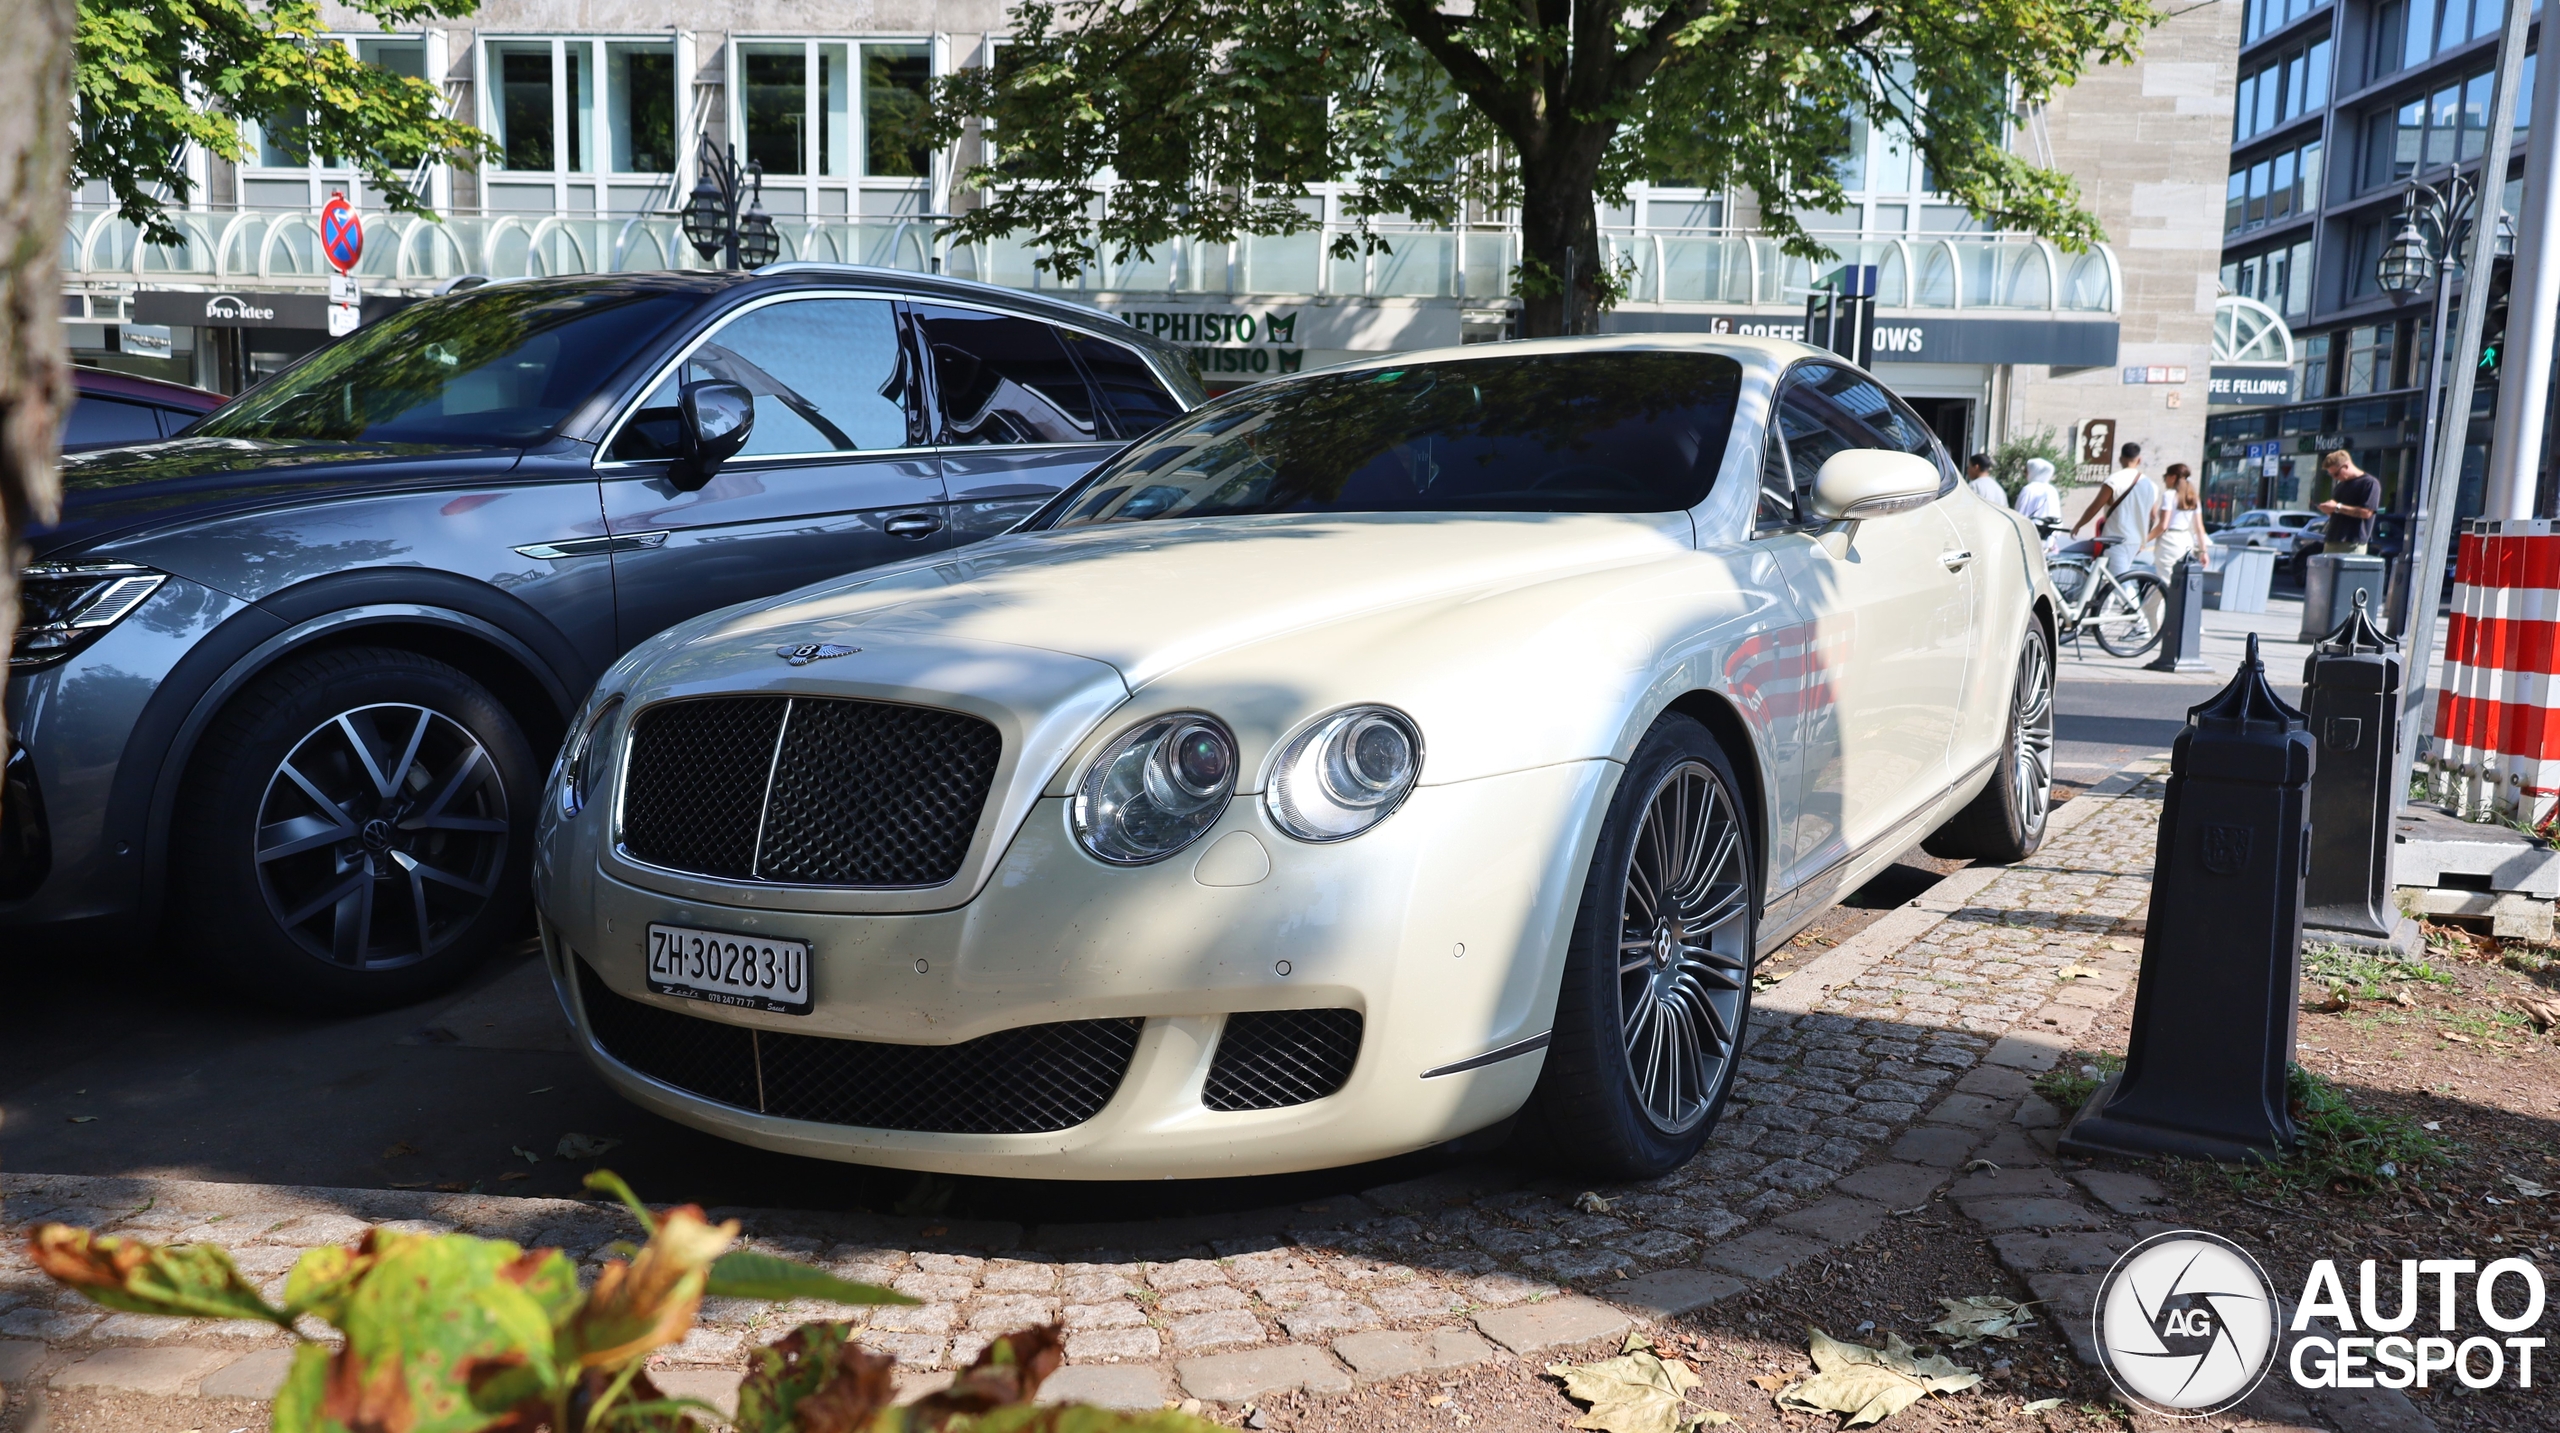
x=155 y=76
x=1210 y=119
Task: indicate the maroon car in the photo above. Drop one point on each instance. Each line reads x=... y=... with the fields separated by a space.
x=115 y=409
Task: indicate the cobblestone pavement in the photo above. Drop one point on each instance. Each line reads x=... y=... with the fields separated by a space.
x=1876 y=1072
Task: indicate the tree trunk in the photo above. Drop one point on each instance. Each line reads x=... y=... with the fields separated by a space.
x=1560 y=245
x=35 y=189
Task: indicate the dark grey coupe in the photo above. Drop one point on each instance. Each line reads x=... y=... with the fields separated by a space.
x=284 y=685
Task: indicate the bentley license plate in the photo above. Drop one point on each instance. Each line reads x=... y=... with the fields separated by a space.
x=751 y=972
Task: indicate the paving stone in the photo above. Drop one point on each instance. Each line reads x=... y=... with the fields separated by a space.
x=2068 y=1300
x=2036 y=1112
x=1294 y=1294
x=1666 y=1292
x=936 y=1288
x=962 y=1265
x=1007 y=1276
x=312 y=1230
x=1416 y=1300
x=257 y=1375
x=1657 y=1244
x=1997 y=1082
x=1552 y=1323
x=2031 y=1253
x=1837 y=1220
x=1226 y=1328
x=1899 y=1186
x=1375 y=1357
x=165 y=1371
x=1942 y=1148
x=2132 y=1195
x=1274 y=1266
x=18 y=1358
x=1097 y=1345
x=2002 y=1215
x=1201 y=1298
x=1118 y=1314
x=48 y=1325
x=1185 y=1274
x=1331 y=1317
x=715 y=1386
x=1097 y=1286
x=1761 y=1254
x=918 y=1350
x=1006 y=1313
x=2012 y=1149
x=1968 y=1111
x=2010 y=1183
x=1500 y=1289
x=1571 y=1264
x=1129 y=1387
x=1237 y=1377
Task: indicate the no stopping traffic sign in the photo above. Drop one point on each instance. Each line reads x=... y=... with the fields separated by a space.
x=341 y=233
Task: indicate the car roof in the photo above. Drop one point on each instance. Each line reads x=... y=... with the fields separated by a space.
x=1769 y=354
x=106 y=383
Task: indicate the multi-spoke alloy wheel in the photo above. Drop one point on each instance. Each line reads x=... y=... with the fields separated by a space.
x=2006 y=822
x=381 y=836
x=353 y=832
x=2031 y=769
x=1683 y=958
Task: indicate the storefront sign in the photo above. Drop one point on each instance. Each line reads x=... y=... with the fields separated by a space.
x=2059 y=343
x=1249 y=340
x=2098 y=443
x=2240 y=383
x=232 y=310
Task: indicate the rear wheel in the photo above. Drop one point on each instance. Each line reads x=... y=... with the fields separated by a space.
x=1657 y=980
x=353 y=832
x=2132 y=617
x=2006 y=822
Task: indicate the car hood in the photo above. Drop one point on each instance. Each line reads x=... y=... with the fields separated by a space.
x=114 y=491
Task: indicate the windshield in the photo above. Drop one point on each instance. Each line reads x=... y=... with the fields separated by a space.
x=1584 y=432
x=497 y=366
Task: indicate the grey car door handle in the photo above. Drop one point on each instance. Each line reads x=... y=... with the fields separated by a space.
x=912 y=525
x=1955 y=559
x=594 y=546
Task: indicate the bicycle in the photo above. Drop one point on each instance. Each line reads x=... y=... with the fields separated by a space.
x=2125 y=613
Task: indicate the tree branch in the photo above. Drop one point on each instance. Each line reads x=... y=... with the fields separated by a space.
x=1474 y=76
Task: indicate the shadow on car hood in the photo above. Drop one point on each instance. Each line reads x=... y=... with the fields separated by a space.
x=115 y=490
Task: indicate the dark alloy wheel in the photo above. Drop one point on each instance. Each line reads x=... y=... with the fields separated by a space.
x=354 y=832
x=2006 y=822
x=1657 y=983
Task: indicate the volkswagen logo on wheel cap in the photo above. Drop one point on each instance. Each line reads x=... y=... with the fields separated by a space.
x=2186 y=1323
x=807 y=652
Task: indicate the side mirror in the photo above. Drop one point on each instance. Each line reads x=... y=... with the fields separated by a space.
x=1871 y=482
x=713 y=420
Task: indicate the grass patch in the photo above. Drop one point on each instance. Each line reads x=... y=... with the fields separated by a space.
x=2343 y=1148
x=2367 y=977
x=2075 y=1077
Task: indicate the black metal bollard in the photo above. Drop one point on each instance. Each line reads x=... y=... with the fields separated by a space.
x=2213 y=1015
x=2182 y=641
x=2351 y=683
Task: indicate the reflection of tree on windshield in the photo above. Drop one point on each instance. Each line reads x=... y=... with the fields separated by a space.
x=497 y=365
x=1591 y=432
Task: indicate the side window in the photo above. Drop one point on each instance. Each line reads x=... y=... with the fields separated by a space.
x=1887 y=417
x=108 y=422
x=1003 y=379
x=1811 y=430
x=1137 y=399
x=828 y=375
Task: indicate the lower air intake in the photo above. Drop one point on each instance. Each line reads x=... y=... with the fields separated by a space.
x=1270 y=1058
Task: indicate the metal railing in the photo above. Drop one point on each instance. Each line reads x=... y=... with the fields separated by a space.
x=280 y=248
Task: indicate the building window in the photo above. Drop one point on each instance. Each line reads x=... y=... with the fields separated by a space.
x=282 y=173
x=572 y=116
x=822 y=116
x=2278 y=278
x=640 y=107
x=896 y=84
x=2274 y=189
x=2284 y=88
x=2311 y=367
x=2368 y=359
x=2447 y=127
x=2268 y=16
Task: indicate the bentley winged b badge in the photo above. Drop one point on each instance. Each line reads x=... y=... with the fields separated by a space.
x=806 y=652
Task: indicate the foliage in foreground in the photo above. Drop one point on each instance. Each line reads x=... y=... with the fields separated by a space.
x=2344 y=1149
x=2075 y=1077
x=448 y=1333
x=2009 y=460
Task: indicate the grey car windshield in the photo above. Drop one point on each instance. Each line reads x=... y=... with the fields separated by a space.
x=1583 y=432
x=500 y=366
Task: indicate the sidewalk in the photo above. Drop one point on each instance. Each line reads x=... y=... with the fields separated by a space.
x=1881 y=1073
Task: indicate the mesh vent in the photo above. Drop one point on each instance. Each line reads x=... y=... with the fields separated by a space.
x=1033 y=1080
x=871 y=794
x=695 y=783
x=1270 y=1058
x=861 y=793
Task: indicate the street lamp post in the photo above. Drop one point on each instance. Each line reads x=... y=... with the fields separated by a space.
x=712 y=221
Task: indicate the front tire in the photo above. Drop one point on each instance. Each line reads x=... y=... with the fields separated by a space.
x=1657 y=980
x=353 y=832
x=2006 y=822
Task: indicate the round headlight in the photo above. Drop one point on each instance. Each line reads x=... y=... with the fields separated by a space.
x=1345 y=774
x=585 y=754
x=1156 y=789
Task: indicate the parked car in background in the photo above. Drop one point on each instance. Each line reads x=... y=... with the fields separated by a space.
x=1344 y=768
x=110 y=410
x=2292 y=533
x=291 y=678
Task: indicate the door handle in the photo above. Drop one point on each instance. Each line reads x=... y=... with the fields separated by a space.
x=912 y=525
x=1955 y=559
x=594 y=546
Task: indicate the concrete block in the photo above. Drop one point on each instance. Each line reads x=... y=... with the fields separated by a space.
x=1377 y=1356
x=1665 y=1292
x=2433 y=845
x=1837 y=1220
x=1237 y=1377
x=715 y=1386
x=2510 y=916
x=1762 y=1253
x=1552 y=1323
x=165 y=1371
x=2132 y=1195
x=257 y=1376
x=1899 y=1186
x=1130 y=1387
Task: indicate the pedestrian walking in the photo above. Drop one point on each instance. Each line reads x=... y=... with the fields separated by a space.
x=1977 y=475
x=2177 y=532
x=2039 y=500
x=2354 y=495
x=2127 y=501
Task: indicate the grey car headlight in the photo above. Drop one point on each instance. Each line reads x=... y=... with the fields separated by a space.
x=583 y=757
x=1345 y=774
x=1156 y=788
x=63 y=607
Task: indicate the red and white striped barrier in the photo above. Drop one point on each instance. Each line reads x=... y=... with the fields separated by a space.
x=2495 y=750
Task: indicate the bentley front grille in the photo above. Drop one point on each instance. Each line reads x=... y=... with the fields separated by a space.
x=1270 y=1058
x=819 y=791
x=1035 y=1079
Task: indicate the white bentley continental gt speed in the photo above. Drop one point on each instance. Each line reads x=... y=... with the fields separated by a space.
x=1357 y=762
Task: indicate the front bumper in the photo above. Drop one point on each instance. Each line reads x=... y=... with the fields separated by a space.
x=1445 y=928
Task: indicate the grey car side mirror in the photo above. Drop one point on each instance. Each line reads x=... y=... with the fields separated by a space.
x=1871 y=482
x=714 y=419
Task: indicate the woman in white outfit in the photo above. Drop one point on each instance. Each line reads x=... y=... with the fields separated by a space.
x=2177 y=532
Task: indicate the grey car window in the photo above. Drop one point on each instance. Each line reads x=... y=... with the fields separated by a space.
x=1005 y=379
x=1811 y=430
x=1138 y=399
x=96 y=422
x=828 y=375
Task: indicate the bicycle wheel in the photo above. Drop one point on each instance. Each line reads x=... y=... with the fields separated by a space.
x=2070 y=580
x=2132 y=615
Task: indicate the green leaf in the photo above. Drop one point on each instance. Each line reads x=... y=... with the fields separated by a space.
x=298 y=1403
x=193 y=1281
x=747 y=1274
x=431 y=1317
x=605 y=1181
x=1083 y=1418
